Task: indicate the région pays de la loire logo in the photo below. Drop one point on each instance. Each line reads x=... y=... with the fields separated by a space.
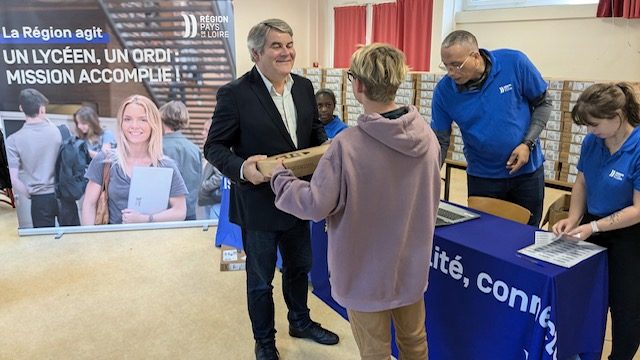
x=190 y=26
x=206 y=26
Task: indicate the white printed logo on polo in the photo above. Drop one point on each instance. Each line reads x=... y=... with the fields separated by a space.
x=506 y=88
x=616 y=175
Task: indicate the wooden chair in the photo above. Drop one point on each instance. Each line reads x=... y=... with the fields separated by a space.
x=501 y=208
x=9 y=194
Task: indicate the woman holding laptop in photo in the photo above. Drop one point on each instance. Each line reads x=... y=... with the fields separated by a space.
x=139 y=144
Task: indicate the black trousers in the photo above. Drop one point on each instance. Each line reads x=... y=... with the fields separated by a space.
x=44 y=209
x=623 y=251
x=525 y=190
x=261 y=249
x=68 y=215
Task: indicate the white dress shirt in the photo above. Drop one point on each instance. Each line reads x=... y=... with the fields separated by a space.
x=286 y=108
x=285 y=105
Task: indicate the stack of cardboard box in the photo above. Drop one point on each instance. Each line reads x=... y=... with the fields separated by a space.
x=560 y=141
x=406 y=92
x=232 y=259
x=552 y=133
x=425 y=83
x=352 y=108
x=334 y=80
x=572 y=134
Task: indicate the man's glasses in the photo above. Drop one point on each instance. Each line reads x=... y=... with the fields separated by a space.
x=447 y=68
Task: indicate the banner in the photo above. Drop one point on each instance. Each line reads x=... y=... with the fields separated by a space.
x=95 y=54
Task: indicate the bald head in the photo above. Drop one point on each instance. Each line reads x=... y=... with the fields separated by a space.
x=462 y=38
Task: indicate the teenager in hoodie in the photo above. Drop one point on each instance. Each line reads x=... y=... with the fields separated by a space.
x=378 y=186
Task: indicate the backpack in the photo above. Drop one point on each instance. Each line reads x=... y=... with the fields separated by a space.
x=71 y=166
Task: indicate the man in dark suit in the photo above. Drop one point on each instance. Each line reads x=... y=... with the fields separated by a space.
x=265 y=112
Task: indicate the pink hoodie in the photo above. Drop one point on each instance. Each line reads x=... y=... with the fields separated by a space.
x=378 y=186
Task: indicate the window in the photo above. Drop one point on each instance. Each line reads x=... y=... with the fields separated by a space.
x=499 y=4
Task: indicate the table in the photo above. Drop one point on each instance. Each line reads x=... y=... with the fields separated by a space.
x=485 y=301
x=460 y=165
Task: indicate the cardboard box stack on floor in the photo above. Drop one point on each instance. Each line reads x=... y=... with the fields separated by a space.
x=572 y=134
x=560 y=141
x=315 y=75
x=334 y=80
x=406 y=93
x=232 y=259
x=352 y=108
x=425 y=83
x=550 y=138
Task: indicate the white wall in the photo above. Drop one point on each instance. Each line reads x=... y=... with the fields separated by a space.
x=564 y=42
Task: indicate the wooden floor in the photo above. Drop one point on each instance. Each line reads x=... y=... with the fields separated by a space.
x=154 y=294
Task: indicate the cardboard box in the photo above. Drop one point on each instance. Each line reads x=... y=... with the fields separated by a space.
x=232 y=259
x=301 y=162
x=558 y=210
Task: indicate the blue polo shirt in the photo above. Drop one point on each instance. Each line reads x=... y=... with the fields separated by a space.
x=493 y=120
x=610 y=179
x=333 y=127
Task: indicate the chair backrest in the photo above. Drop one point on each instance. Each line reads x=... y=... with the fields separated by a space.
x=501 y=208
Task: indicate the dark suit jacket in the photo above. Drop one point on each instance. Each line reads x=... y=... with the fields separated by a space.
x=246 y=122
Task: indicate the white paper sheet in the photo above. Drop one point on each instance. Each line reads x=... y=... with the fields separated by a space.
x=562 y=251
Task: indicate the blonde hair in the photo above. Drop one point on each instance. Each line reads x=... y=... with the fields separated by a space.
x=88 y=115
x=154 y=147
x=175 y=115
x=381 y=68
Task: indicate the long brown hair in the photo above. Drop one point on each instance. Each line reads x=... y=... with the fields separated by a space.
x=604 y=101
x=88 y=115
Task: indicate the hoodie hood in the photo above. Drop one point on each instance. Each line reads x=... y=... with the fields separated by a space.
x=407 y=134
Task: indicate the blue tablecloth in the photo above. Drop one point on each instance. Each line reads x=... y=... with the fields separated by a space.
x=228 y=233
x=485 y=301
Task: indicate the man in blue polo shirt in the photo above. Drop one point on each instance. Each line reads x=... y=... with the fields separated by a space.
x=499 y=101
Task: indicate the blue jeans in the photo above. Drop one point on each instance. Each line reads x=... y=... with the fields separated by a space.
x=526 y=190
x=261 y=249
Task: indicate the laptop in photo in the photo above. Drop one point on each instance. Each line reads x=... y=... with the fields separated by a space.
x=450 y=214
x=149 y=190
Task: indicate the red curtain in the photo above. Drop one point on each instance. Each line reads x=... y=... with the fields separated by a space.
x=349 y=32
x=385 y=24
x=619 y=8
x=414 y=32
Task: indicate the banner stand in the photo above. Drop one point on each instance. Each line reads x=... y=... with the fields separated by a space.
x=59 y=231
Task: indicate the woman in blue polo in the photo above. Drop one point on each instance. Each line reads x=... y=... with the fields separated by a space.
x=605 y=201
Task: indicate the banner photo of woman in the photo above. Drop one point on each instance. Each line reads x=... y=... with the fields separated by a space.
x=130 y=84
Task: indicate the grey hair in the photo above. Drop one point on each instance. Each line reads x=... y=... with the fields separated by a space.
x=258 y=34
x=460 y=37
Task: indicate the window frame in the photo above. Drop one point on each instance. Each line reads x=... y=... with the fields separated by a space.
x=470 y=5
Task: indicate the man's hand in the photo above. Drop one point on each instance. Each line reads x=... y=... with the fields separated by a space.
x=250 y=170
x=519 y=157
